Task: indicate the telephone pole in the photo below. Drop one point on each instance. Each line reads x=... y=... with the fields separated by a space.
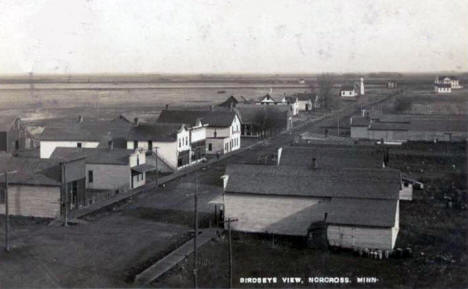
x=229 y=221
x=195 y=224
x=65 y=194
x=7 y=216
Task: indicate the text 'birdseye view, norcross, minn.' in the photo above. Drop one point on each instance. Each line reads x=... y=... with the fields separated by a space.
x=339 y=175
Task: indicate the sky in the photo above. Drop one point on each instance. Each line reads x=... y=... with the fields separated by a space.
x=238 y=36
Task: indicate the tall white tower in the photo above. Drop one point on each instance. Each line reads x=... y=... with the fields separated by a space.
x=362 y=85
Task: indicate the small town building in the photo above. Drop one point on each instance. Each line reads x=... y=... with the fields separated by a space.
x=267 y=99
x=14 y=136
x=442 y=88
x=43 y=187
x=170 y=143
x=350 y=208
x=83 y=133
x=222 y=126
x=111 y=169
x=262 y=121
x=348 y=92
x=410 y=127
x=450 y=80
x=392 y=84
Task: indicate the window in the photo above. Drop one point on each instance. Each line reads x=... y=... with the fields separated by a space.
x=135 y=144
x=179 y=143
x=150 y=145
x=16 y=144
x=2 y=195
x=78 y=145
x=90 y=177
x=210 y=147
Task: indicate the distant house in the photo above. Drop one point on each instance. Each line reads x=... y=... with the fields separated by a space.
x=229 y=102
x=14 y=136
x=83 y=134
x=411 y=127
x=442 y=88
x=350 y=208
x=304 y=101
x=170 y=142
x=42 y=187
x=392 y=84
x=451 y=80
x=262 y=121
x=267 y=100
x=112 y=169
x=348 y=91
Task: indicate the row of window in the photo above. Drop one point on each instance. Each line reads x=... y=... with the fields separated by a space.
x=183 y=141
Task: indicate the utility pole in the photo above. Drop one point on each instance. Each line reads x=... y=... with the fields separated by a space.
x=7 y=215
x=229 y=221
x=195 y=224
x=65 y=194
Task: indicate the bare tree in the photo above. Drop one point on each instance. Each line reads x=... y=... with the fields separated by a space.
x=325 y=84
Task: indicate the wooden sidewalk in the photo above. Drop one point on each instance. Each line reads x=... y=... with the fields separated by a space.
x=172 y=259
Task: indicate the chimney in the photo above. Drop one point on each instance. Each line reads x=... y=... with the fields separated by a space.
x=167 y=106
x=80 y=118
x=314 y=163
x=136 y=121
x=110 y=145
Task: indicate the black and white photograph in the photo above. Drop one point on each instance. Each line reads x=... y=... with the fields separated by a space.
x=233 y=144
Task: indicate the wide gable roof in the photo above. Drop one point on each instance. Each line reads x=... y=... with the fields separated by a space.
x=31 y=171
x=164 y=132
x=114 y=156
x=331 y=157
x=213 y=118
x=300 y=181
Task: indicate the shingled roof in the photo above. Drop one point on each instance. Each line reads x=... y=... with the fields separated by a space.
x=252 y=113
x=215 y=118
x=31 y=171
x=332 y=157
x=92 y=130
x=300 y=181
x=94 y=155
x=164 y=132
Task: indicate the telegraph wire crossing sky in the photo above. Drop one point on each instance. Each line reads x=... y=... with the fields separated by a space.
x=180 y=36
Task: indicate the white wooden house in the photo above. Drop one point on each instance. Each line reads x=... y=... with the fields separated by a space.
x=348 y=92
x=442 y=88
x=169 y=142
x=112 y=169
x=450 y=80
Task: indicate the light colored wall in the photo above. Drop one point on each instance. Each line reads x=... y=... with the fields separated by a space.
x=139 y=182
x=141 y=157
x=301 y=105
x=359 y=132
x=259 y=214
x=198 y=134
x=406 y=193
x=220 y=131
x=361 y=237
x=184 y=137
x=108 y=177
x=35 y=201
x=167 y=151
x=48 y=147
x=218 y=145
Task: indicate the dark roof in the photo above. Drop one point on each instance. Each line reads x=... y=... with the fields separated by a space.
x=362 y=212
x=215 y=118
x=31 y=171
x=92 y=130
x=7 y=122
x=164 y=132
x=447 y=76
x=301 y=181
x=389 y=126
x=304 y=96
x=252 y=113
x=230 y=101
x=348 y=87
x=187 y=117
x=443 y=85
x=266 y=97
x=94 y=155
x=359 y=121
x=335 y=157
